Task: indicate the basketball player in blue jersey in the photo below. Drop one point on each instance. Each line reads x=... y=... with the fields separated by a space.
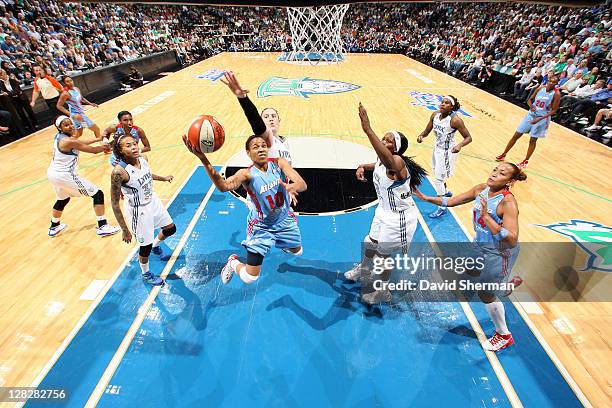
x=395 y=220
x=74 y=99
x=124 y=127
x=63 y=175
x=133 y=178
x=543 y=103
x=497 y=232
x=445 y=122
x=270 y=221
x=266 y=124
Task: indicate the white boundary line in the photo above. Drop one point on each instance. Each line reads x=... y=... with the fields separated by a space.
x=469 y=313
x=47 y=367
x=97 y=393
x=551 y=354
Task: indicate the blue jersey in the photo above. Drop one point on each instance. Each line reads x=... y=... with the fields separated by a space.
x=74 y=102
x=120 y=132
x=271 y=202
x=542 y=104
x=483 y=233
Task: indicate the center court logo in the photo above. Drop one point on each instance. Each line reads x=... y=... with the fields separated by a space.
x=212 y=75
x=593 y=238
x=432 y=102
x=277 y=86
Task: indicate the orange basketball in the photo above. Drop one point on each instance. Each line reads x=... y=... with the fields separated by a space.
x=206 y=134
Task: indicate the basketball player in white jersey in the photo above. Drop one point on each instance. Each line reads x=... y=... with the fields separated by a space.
x=62 y=174
x=395 y=220
x=543 y=103
x=265 y=124
x=445 y=123
x=145 y=211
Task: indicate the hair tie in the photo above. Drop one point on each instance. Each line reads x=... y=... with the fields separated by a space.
x=398 y=140
x=59 y=120
x=451 y=99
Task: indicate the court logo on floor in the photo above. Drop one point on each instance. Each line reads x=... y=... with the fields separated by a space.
x=432 y=102
x=212 y=75
x=593 y=238
x=303 y=87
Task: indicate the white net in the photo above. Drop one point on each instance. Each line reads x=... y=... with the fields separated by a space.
x=315 y=33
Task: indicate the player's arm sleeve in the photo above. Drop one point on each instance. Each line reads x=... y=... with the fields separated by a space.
x=257 y=124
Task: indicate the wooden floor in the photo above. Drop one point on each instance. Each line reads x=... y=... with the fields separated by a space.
x=43 y=279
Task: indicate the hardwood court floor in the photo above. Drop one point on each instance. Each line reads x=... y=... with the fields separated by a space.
x=44 y=279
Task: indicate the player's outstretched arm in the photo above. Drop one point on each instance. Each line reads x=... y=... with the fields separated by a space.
x=385 y=156
x=82 y=146
x=258 y=126
x=119 y=176
x=146 y=145
x=454 y=201
x=229 y=184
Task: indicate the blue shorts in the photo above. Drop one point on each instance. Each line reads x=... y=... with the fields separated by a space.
x=283 y=234
x=87 y=123
x=498 y=263
x=538 y=130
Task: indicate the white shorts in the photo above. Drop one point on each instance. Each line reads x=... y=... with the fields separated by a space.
x=70 y=185
x=393 y=230
x=443 y=163
x=144 y=219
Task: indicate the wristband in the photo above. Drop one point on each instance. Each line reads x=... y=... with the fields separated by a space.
x=503 y=233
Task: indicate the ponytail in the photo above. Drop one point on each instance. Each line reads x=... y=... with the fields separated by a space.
x=416 y=171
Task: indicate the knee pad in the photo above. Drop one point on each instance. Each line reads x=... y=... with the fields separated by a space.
x=98 y=198
x=61 y=204
x=254 y=259
x=145 y=251
x=169 y=231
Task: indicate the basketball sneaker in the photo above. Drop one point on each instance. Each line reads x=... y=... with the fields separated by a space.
x=440 y=211
x=356 y=273
x=151 y=279
x=516 y=281
x=106 y=230
x=228 y=272
x=376 y=297
x=501 y=157
x=161 y=253
x=498 y=342
x=523 y=164
x=54 y=231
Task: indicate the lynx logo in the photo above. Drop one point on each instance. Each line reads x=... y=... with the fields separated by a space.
x=594 y=239
x=432 y=101
x=277 y=86
x=212 y=75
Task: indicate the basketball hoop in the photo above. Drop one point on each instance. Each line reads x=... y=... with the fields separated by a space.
x=315 y=33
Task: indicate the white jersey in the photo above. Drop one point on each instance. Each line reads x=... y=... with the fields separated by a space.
x=63 y=162
x=138 y=190
x=279 y=148
x=445 y=134
x=392 y=195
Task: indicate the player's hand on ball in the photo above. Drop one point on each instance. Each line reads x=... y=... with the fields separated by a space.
x=456 y=149
x=232 y=83
x=360 y=174
x=126 y=236
x=191 y=148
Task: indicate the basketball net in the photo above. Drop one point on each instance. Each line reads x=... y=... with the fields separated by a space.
x=315 y=33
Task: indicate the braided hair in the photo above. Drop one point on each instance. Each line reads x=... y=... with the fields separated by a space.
x=416 y=171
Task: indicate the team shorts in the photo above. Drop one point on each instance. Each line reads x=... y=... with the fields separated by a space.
x=68 y=184
x=260 y=237
x=443 y=163
x=539 y=130
x=393 y=230
x=143 y=220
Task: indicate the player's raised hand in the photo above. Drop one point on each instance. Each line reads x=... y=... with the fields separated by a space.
x=232 y=83
x=365 y=120
x=291 y=189
x=192 y=149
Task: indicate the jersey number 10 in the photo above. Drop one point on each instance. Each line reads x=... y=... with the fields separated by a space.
x=279 y=200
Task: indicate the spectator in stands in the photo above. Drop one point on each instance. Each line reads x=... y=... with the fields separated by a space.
x=18 y=99
x=602 y=114
x=589 y=106
x=134 y=79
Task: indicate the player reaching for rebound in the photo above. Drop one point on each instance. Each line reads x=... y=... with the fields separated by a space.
x=126 y=127
x=543 y=103
x=145 y=211
x=497 y=231
x=62 y=174
x=271 y=221
x=395 y=220
x=445 y=122
x=278 y=145
x=75 y=100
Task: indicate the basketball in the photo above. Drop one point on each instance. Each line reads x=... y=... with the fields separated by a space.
x=206 y=134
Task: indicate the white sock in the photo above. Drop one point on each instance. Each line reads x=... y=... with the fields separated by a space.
x=497 y=313
x=245 y=276
x=53 y=219
x=156 y=242
x=144 y=267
